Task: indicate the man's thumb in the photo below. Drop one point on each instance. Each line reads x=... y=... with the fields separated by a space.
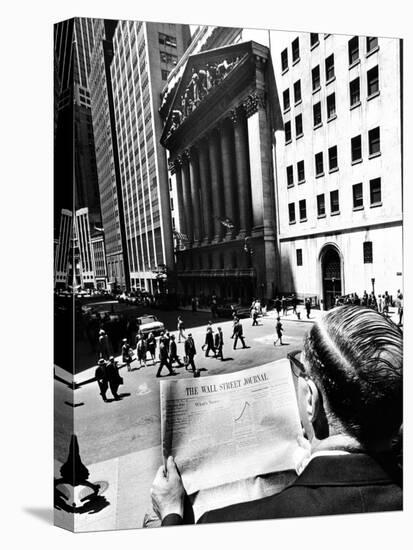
x=171 y=466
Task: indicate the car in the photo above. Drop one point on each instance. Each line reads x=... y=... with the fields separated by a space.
x=227 y=309
x=150 y=323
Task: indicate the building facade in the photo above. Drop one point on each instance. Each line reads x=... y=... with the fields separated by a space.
x=143 y=56
x=218 y=131
x=85 y=258
x=107 y=163
x=99 y=257
x=339 y=164
x=63 y=249
x=75 y=174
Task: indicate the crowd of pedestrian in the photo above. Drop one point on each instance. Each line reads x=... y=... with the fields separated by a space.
x=147 y=350
x=381 y=303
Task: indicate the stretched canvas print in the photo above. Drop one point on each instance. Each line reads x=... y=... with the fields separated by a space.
x=228 y=274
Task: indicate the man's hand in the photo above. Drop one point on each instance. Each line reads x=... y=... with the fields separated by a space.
x=167 y=491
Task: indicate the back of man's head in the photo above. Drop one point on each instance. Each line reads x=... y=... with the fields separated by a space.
x=355 y=356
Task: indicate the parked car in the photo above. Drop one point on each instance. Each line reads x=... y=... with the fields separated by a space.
x=227 y=309
x=150 y=323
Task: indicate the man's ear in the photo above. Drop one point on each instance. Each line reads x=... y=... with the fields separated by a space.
x=316 y=412
x=313 y=401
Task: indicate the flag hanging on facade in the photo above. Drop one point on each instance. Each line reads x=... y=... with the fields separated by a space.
x=226 y=222
x=180 y=236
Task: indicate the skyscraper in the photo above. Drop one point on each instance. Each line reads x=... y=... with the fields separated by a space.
x=143 y=56
x=76 y=184
x=107 y=159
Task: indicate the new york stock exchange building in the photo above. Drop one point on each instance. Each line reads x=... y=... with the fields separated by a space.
x=219 y=128
x=303 y=197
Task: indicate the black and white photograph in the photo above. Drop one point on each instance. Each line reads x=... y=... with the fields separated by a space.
x=228 y=274
x=206 y=227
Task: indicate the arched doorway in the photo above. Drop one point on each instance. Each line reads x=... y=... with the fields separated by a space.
x=331 y=275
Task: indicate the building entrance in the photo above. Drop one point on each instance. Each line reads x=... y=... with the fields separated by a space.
x=331 y=273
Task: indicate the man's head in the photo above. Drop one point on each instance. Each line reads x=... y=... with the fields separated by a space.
x=354 y=356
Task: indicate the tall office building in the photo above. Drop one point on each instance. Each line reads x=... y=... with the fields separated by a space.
x=143 y=56
x=339 y=163
x=63 y=245
x=107 y=160
x=76 y=182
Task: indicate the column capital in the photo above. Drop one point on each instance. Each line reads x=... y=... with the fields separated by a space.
x=237 y=114
x=174 y=165
x=260 y=61
x=186 y=155
x=254 y=101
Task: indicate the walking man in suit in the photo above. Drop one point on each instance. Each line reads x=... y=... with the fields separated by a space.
x=173 y=353
x=239 y=334
x=101 y=378
x=219 y=344
x=164 y=359
x=190 y=352
x=209 y=342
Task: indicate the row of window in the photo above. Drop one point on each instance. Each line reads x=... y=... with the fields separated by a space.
x=167 y=40
x=358 y=204
x=353 y=50
x=168 y=57
x=367 y=253
x=372 y=90
x=372 y=79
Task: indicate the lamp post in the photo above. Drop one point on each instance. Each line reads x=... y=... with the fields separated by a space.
x=373 y=280
x=334 y=291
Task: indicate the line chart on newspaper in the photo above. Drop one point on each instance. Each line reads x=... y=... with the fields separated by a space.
x=225 y=430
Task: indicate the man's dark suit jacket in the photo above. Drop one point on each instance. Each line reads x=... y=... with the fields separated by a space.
x=336 y=484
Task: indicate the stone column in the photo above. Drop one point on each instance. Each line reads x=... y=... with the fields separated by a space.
x=196 y=206
x=262 y=184
x=187 y=201
x=242 y=171
x=228 y=175
x=216 y=185
x=177 y=169
x=205 y=183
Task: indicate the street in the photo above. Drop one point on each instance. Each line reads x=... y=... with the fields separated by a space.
x=116 y=428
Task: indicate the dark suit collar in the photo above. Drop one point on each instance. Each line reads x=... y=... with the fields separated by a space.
x=345 y=469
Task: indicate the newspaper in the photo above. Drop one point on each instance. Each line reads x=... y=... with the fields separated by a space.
x=225 y=430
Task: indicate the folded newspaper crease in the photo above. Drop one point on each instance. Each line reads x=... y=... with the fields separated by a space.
x=235 y=437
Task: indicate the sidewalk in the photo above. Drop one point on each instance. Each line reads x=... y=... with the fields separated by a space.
x=80 y=378
x=317 y=313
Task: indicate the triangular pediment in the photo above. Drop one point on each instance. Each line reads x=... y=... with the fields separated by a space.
x=203 y=75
